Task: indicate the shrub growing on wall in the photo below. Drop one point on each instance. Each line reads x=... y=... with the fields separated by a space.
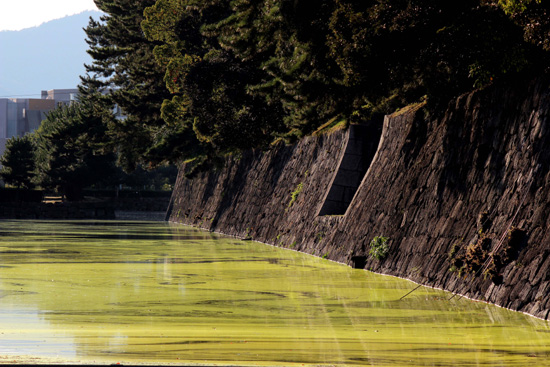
x=379 y=247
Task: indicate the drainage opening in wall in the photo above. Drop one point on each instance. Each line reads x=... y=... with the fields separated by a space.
x=360 y=149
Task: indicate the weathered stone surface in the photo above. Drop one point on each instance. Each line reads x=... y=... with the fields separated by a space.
x=428 y=184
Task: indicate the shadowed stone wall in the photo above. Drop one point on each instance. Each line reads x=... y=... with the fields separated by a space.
x=252 y=195
x=448 y=191
x=362 y=142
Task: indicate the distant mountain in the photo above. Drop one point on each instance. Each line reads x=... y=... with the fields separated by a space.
x=50 y=56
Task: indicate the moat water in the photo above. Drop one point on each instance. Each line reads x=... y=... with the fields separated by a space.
x=150 y=292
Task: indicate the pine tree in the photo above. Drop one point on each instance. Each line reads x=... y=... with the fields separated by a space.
x=202 y=78
x=68 y=156
x=18 y=162
x=286 y=42
x=125 y=71
x=395 y=53
x=209 y=84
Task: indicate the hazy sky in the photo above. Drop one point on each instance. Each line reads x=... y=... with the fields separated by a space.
x=19 y=14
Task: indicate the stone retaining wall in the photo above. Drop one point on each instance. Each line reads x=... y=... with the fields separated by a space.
x=447 y=190
x=252 y=195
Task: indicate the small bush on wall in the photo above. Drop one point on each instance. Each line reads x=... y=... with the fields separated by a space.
x=379 y=248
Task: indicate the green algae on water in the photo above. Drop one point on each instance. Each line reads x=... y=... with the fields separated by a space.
x=145 y=292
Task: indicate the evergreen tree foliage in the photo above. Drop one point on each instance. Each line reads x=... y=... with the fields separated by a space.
x=18 y=162
x=210 y=101
x=125 y=72
x=68 y=157
x=286 y=41
x=314 y=60
x=202 y=78
x=533 y=16
x=394 y=53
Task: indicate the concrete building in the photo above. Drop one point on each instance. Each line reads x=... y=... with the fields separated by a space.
x=61 y=96
x=19 y=116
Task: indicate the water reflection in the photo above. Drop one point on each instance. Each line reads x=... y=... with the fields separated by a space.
x=152 y=292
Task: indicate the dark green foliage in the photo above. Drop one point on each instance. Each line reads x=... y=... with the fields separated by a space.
x=394 y=53
x=225 y=116
x=314 y=60
x=18 y=162
x=124 y=66
x=533 y=16
x=209 y=84
x=379 y=248
x=68 y=157
x=201 y=78
x=161 y=178
x=10 y=195
x=286 y=41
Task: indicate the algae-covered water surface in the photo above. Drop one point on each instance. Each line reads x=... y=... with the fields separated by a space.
x=146 y=292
